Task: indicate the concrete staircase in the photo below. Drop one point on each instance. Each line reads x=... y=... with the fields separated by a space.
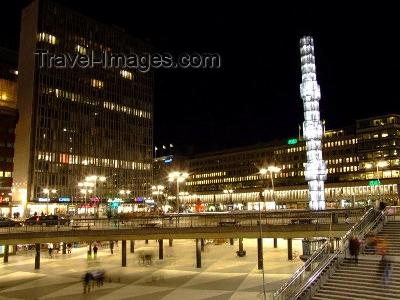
x=361 y=281
x=391 y=233
x=365 y=280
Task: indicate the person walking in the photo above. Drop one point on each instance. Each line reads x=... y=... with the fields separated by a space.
x=87 y=278
x=95 y=251
x=112 y=247
x=69 y=247
x=50 y=248
x=354 y=246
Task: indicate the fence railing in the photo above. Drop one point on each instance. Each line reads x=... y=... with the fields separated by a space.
x=189 y=221
x=320 y=259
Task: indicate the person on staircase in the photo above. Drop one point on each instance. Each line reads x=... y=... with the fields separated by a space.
x=354 y=247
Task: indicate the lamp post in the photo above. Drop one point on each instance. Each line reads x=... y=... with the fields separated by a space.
x=125 y=192
x=230 y=192
x=91 y=181
x=271 y=170
x=47 y=191
x=158 y=190
x=178 y=177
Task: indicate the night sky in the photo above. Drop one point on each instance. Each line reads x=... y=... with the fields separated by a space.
x=254 y=97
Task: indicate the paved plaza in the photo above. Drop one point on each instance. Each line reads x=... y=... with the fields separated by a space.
x=223 y=275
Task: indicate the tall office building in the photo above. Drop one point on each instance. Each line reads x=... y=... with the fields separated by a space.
x=79 y=122
x=8 y=121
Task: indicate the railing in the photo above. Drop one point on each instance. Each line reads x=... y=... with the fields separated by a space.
x=320 y=259
x=314 y=218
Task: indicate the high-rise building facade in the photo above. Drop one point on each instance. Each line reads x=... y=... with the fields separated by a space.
x=363 y=165
x=79 y=122
x=8 y=121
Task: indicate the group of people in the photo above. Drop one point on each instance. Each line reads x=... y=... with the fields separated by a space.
x=379 y=246
x=91 y=278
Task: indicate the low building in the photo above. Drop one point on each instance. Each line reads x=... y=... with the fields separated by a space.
x=362 y=160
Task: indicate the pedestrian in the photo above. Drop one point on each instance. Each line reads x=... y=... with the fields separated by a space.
x=95 y=251
x=50 y=248
x=354 y=246
x=69 y=247
x=86 y=282
x=112 y=247
x=386 y=269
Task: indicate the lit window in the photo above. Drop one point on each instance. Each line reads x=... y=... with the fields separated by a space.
x=80 y=49
x=7 y=174
x=97 y=83
x=48 y=38
x=126 y=74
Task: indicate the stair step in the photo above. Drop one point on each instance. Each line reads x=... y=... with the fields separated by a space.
x=352 y=294
x=376 y=283
x=379 y=290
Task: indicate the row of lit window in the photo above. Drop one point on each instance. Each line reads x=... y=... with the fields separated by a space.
x=83 y=160
x=98 y=84
x=295 y=149
x=340 y=143
x=343 y=169
x=207 y=175
x=340 y=191
x=74 y=97
x=48 y=38
x=341 y=160
x=303 y=193
x=126 y=109
x=5 y=174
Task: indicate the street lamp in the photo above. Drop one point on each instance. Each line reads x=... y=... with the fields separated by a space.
x=158 y=190
x=271 y=170
x=47 y=191
x=178 y=177
x=230 y=192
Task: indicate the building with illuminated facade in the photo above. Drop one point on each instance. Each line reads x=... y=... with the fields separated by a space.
x=78 y=122
x=363 y=165
x=8 y=121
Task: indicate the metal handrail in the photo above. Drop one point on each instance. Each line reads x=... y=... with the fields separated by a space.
x=342 y=249
x=299 y=275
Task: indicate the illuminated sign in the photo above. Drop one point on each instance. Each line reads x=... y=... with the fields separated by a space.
x=292 y=141
x=374 y=182
x=168 y=161
x=44 y=199
x=64 y=199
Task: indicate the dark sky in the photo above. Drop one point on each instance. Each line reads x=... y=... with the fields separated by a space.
x=254 y=97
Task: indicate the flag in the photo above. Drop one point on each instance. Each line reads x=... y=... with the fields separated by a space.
x=171 y=146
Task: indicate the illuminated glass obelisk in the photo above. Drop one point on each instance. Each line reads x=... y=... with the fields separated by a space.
x=314 y=168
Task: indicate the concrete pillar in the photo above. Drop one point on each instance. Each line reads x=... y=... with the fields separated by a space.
x=332 y=245
x=37 y=256
x=146 y=241
x=64 y=248
x=90 y=249
x=275 y=243
x=5 y=257
x=132 y=246
x=260 y=253
x=170 y=242
x=160 y=249
x=241 y=244
x=124 y=253
x=231 y=241
x=202 y=245
x=198 y=253
x=289 y=249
